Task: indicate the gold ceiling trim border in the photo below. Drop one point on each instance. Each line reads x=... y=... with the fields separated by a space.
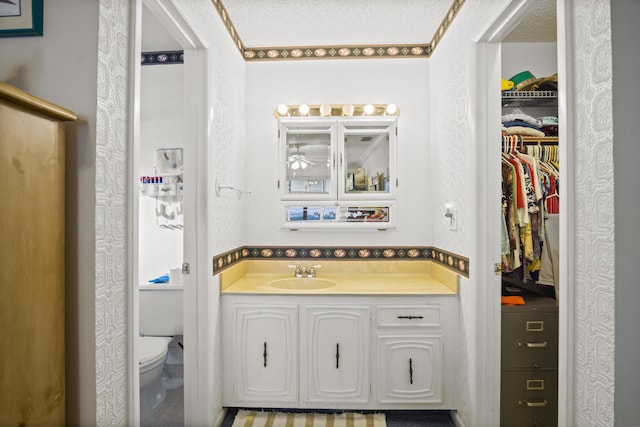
x=290 y=53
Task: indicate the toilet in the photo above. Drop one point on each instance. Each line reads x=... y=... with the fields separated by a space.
x=160 y=321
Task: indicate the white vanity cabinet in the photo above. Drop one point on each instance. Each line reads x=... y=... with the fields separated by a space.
x=409 y=351
x=260 y=354
x=335 y=352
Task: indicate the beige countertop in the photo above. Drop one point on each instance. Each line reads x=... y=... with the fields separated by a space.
x=350 y=277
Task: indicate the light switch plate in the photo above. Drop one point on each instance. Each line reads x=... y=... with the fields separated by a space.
x=453 y=221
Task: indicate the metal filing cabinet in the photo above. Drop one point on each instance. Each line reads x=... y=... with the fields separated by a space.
x=529 y=375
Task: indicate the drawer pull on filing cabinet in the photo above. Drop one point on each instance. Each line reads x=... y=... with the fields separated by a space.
x=533 y=344
x=533 y=404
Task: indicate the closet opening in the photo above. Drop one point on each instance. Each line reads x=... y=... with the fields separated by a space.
x=531 y=183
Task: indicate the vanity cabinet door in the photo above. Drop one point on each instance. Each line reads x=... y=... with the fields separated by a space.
x=264 y=355
x=335 y=347
x=409 y=368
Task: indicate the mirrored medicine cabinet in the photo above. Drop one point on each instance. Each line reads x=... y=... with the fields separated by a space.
x=338 y=172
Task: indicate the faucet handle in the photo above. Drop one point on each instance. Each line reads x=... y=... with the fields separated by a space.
x=297 y=272
x=312 y=270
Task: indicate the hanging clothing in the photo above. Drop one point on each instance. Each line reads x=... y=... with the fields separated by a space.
x=529 y=195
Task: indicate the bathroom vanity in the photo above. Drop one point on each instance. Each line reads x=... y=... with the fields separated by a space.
x=382 y=338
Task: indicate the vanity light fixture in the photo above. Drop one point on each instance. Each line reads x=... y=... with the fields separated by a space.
x=332 y=110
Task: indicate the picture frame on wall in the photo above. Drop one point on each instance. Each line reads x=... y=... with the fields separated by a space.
x=21 y=18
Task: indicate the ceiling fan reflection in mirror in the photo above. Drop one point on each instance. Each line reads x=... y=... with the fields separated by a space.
x=299 y=160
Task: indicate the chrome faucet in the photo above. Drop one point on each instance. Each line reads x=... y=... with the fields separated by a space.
x=305 y=271
x=297 y=272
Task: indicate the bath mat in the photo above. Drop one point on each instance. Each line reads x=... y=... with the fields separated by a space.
x=307 y=419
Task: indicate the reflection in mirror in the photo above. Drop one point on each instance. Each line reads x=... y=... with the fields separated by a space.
x=308 y=160
x=367 y=159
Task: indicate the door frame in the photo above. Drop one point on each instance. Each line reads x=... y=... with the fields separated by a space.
x=194 y=253
x=489 y=56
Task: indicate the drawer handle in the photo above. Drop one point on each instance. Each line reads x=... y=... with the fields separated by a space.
x=539 y=404
x=533 y=344
x=410 y=371
x=337 y=355
x=410 y=317
x=264 y=354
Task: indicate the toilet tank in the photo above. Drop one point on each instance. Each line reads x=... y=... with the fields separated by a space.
x=160 y=310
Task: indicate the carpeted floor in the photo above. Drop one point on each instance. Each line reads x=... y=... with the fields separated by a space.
x=394 y=418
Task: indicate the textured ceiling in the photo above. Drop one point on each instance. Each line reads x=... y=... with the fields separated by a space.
x=325 y=23
x=355 y=22
x=538 y=25
x=335 y=22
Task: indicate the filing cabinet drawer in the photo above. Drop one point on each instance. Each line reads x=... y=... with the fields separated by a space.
x=529 y=398
x=529 y=339
x=403 y=316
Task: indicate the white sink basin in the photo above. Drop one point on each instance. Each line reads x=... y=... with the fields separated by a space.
x=302 y=283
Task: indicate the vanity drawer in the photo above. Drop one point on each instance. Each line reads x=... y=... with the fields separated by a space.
x=409 y=316
x=529 y=398
x=530 y=339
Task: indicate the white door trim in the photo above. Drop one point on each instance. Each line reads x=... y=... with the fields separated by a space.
x=566 y=355
x=133 y=213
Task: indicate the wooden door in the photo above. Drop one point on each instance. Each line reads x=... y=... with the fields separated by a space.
x=32 y=224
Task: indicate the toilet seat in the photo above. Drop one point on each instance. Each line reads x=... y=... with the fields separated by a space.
x=152 y=350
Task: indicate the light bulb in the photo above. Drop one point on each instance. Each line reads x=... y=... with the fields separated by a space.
x=391 y=109
x=368 y=109
x=295 y=165
x=283 y=109
x=325 y=109
x=303 y=165
x=304 y=109
x=347 y=109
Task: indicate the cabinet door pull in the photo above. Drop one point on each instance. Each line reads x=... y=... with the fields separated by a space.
x=410 y=371
x=264 y=354
x=337 y=355
x=410 y=317
x=537 y=404
x=533 y=344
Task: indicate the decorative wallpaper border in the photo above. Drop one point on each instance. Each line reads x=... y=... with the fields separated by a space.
x=337 y=52
x=162 y=57
x=454 y=262
x=266 y=53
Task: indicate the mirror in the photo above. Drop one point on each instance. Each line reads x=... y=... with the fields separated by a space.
x=308 y=160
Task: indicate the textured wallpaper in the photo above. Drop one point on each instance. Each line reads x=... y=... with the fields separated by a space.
x=112 y=135
x=594 y=222
x=453 y=145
